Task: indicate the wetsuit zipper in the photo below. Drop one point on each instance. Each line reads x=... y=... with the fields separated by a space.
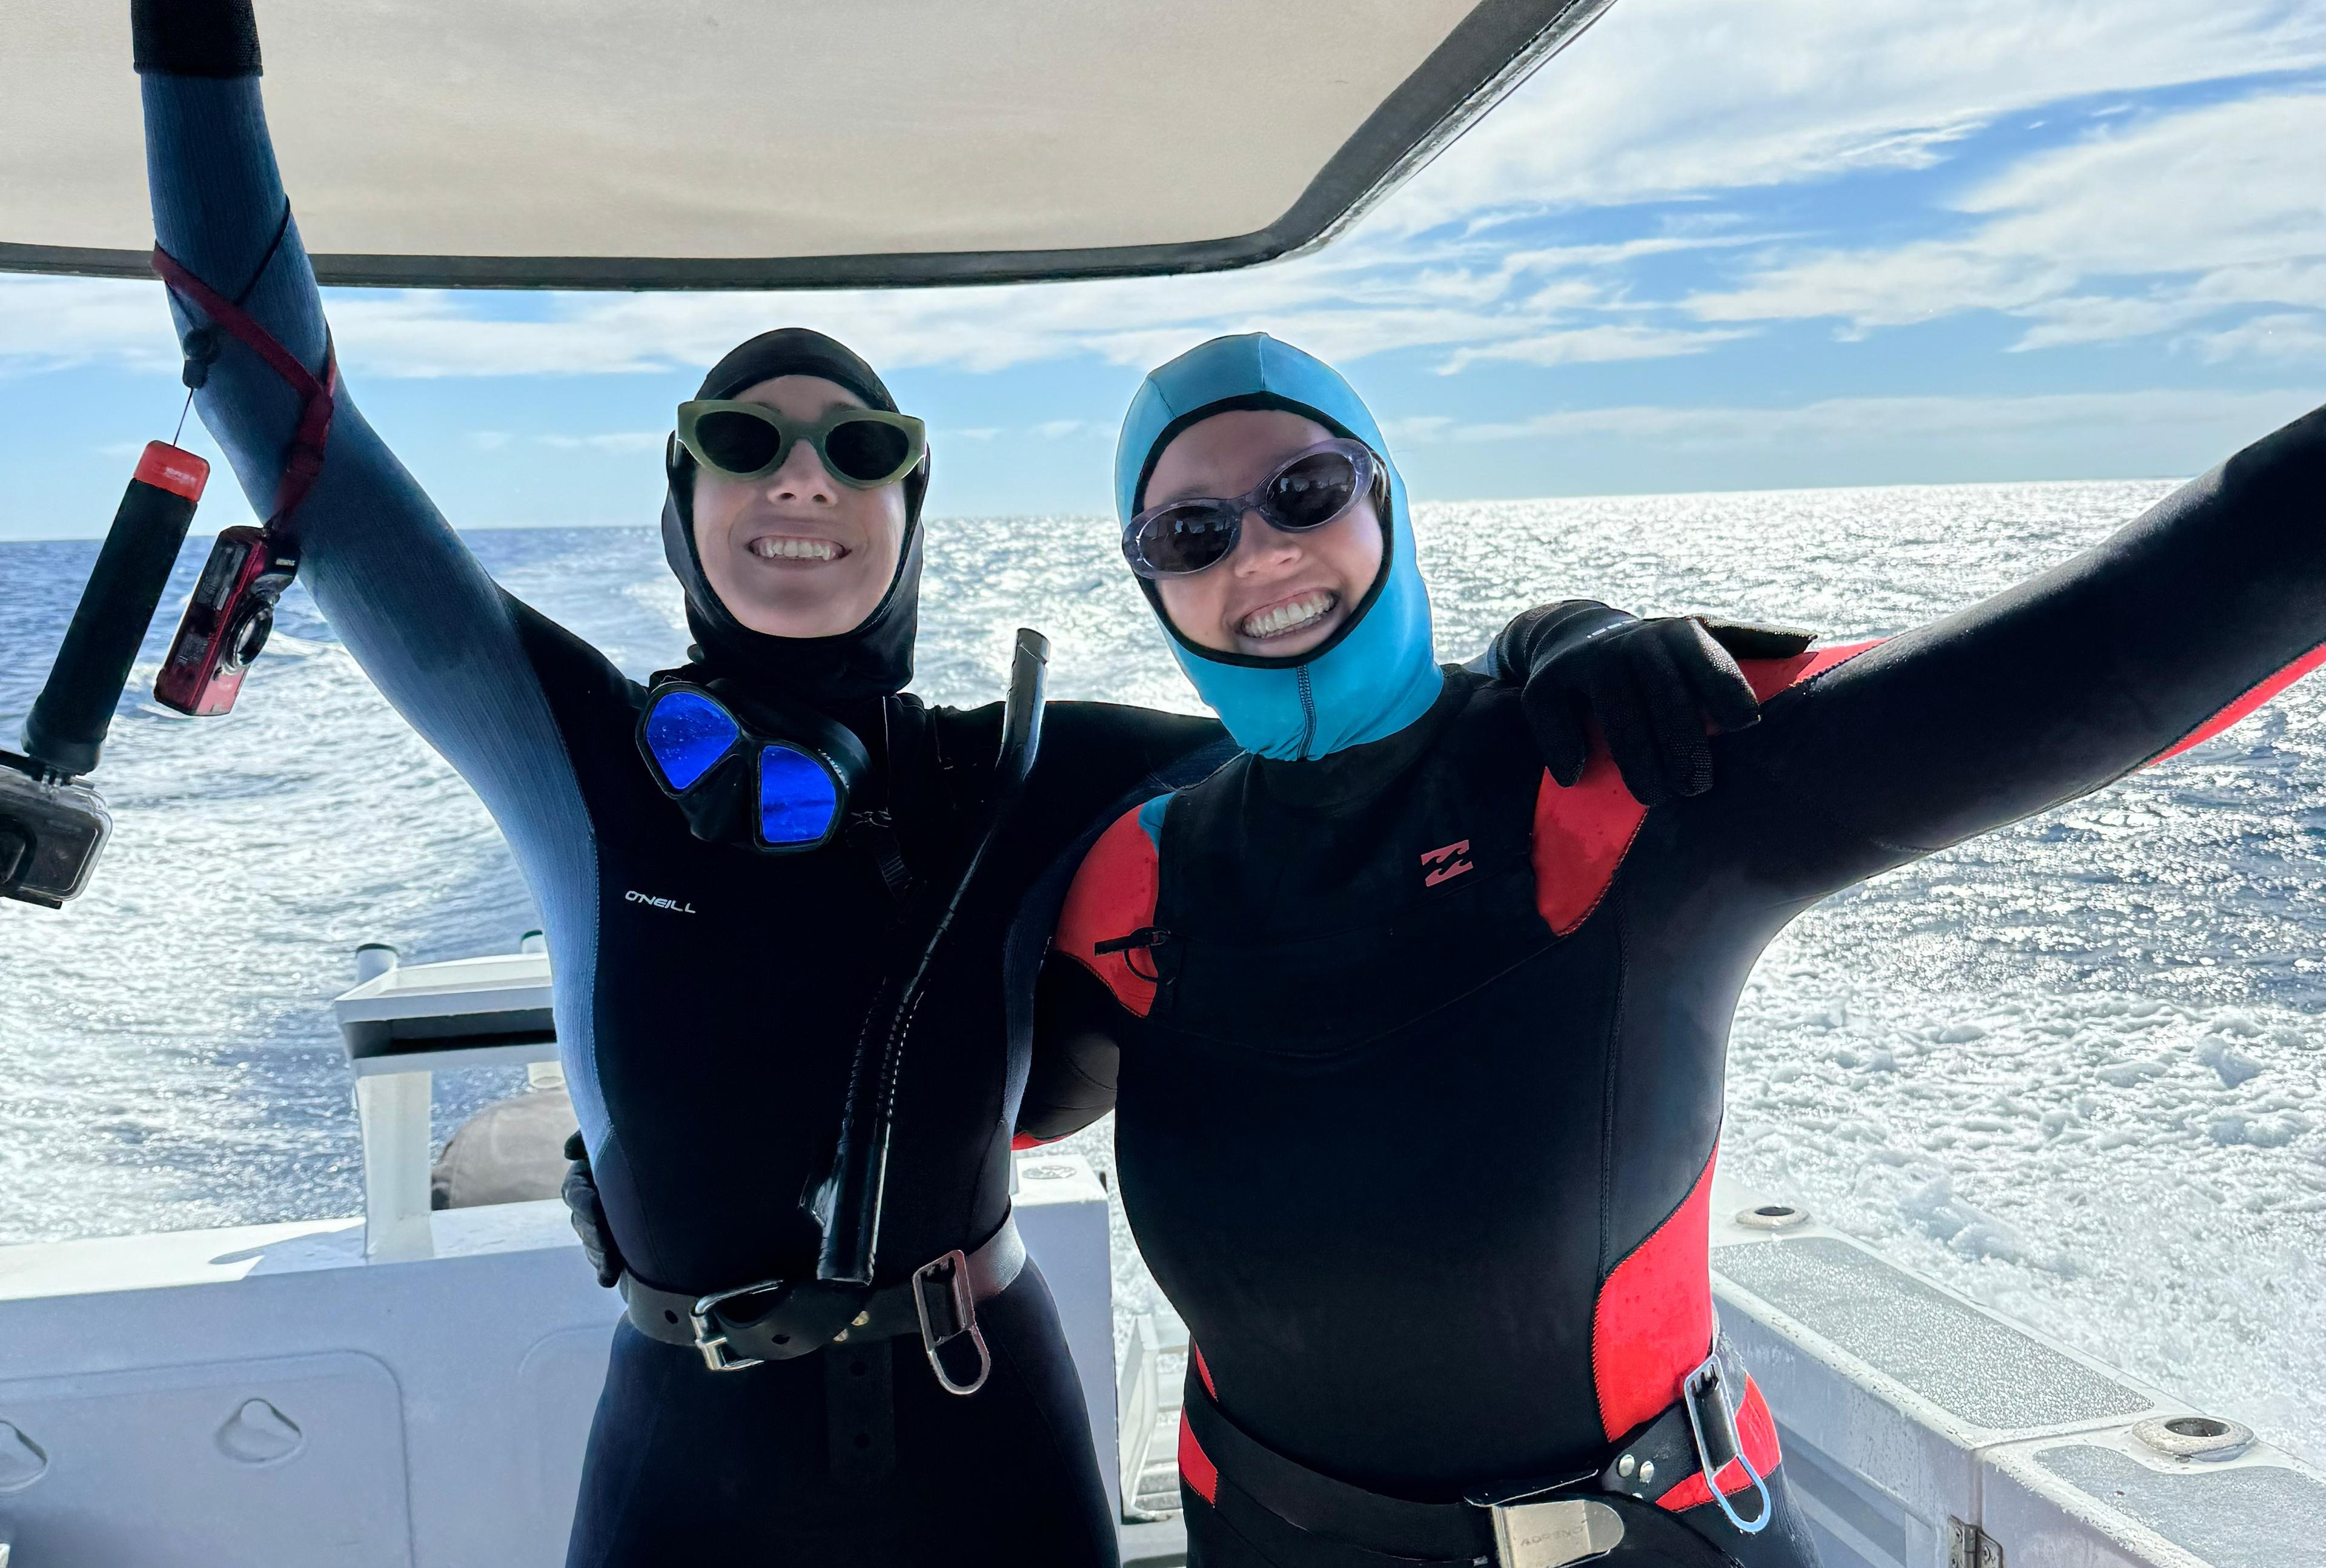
x=1308 y=710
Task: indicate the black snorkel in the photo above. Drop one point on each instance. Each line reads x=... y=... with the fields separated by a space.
x=846 y=1204
x=778 y=1320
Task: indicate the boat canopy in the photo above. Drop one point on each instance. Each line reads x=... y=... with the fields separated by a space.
x=774 y=143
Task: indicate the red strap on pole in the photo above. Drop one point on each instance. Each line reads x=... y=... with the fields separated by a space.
x=318 y=398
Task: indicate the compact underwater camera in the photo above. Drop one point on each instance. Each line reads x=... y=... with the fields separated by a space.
x=52 y=826
x=227 y=621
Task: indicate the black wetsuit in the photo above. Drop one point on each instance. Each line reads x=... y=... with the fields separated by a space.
x=1420 y=1055
x=708 y=997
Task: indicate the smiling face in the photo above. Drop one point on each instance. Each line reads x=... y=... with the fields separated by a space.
x=797 y=553
x=1279 y=595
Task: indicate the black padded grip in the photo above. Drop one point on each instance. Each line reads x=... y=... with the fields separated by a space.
x=214 y=38
x=66 y=728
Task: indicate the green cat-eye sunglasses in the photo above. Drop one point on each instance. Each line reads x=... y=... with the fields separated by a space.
x=864 y=447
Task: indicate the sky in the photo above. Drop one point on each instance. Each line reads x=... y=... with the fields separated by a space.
x=1709 y=247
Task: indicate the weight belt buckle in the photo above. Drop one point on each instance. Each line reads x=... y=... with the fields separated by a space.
x=1552 y=1533
x=712 y=1346
x=948 y=1278
x=1714 y=1425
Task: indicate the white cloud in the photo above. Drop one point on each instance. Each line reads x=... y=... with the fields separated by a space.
x=618 y=440
x=2301 y=338
x=1364 y=297
x=1417 y=430
x=1592 y=345
x=2146 y=226
x=1674 y=97
x=2032 y=419
x=49 y=323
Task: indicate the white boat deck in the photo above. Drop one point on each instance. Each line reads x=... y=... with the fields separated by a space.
x=413 y=1390
x=267 y=1394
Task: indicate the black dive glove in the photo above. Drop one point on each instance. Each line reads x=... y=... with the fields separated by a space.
x=213 y=38
x=1657 y=688
x=589 y=1215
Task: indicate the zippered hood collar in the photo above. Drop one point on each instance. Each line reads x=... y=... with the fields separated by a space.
x=1378 y=673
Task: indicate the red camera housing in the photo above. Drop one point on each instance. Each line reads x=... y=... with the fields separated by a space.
x=227 y=621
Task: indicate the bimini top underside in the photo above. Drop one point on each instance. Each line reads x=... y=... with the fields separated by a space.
x=753 y=144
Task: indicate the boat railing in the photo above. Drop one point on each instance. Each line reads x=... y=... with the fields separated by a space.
x=404 y=1023
x=1923 y=1430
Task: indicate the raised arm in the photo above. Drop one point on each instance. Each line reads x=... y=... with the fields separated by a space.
x=402 y=591
x=2042 y=694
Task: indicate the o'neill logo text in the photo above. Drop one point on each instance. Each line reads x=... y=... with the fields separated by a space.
x=672 y=905
x=1449 y=862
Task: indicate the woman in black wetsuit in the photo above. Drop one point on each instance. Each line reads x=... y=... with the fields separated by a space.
x=1420 y=1051
x=707 y=996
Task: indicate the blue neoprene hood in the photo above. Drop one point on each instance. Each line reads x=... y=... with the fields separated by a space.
x=1379 y=673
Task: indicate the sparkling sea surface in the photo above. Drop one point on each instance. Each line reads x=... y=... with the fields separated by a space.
x=2071 y=1069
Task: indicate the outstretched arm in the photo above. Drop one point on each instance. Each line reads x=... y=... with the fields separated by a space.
x=418 y=612
x=2042 y=694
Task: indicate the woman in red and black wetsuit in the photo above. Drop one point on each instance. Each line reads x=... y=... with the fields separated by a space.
x=1421 y=1053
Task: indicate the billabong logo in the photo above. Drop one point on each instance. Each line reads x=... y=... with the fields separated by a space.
x=1449 y=862
x=672 y=905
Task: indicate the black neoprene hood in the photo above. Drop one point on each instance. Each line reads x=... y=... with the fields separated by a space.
x=875 y=658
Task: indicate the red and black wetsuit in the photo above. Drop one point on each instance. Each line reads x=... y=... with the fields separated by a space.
x=1420 y=1055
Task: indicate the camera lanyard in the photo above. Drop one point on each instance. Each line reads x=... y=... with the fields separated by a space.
x=317 y=397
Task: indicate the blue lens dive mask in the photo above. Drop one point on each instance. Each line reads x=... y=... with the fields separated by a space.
x=772 y=775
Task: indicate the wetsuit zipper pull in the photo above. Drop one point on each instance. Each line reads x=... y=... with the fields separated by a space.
x=874 y=832
x=1145 y=936
x=1308 y=710
x=1149 y=937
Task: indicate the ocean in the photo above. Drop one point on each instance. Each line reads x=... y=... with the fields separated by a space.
x=2071 y=1069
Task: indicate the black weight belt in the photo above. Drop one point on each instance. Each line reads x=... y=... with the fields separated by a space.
x=1490 y=1524
x=937 y=1302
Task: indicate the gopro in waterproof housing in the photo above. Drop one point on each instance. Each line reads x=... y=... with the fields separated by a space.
x=227 y=621
x=52 y=825
x=50 y=831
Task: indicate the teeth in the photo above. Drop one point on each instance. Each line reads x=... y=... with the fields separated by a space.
x=794 y=548
x=1289 y=616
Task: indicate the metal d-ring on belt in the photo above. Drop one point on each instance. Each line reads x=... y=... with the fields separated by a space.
x=938 y=1303
x=1537 y=1524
